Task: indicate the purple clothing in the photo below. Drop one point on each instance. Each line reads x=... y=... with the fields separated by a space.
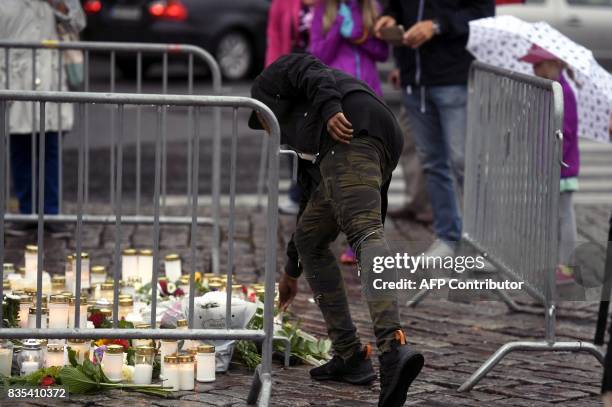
x=571 y=156
x=341 y=53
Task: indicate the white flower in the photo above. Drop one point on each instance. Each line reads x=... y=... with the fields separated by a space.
x=127 y=373
x=171 y=288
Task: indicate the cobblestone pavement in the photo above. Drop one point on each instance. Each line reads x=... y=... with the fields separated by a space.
x=456 y=337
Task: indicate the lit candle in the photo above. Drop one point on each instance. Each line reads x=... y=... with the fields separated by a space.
x=173 y=268
x=129 y=264
x=98 y=275
x=31 y=263
x=186 y=376
x=137 y=343
x=30 y=358
x=85 y=280
x=143 y=364
x=6 y=357
x=81 y=348
x=171 y=377
x=168 y=347
x=55 y=355
x=112 y=362
x=58 y=312
x=145 y=266
x=206 y=363
x=126 y=306
x=32 y=318
x=107 y=291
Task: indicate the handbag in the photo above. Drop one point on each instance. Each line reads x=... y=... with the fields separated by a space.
x=73 y=58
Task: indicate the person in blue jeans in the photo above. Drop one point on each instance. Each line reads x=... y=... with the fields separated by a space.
x=434 y=67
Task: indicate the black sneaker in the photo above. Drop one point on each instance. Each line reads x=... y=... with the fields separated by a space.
x=398 y=369
x=57 y=230
x=19 y=229
x=357 y=369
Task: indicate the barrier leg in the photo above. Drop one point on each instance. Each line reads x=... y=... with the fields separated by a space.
x=490 y=363
x=255 y=387
x=287 y=351
x=266 y=391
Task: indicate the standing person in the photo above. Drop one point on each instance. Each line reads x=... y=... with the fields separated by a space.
x=289 y=31
x=434 y=68
x=36 y=21
x=342 y=38
x=416 y=206
x=546 y=65
x=356 y=143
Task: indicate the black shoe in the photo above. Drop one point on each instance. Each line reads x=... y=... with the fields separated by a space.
x=357 y=369
x=398 y=369
x=19 y=229
x=57 y=230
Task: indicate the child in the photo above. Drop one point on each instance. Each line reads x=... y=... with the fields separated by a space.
x=548 y=66
x=341 y=37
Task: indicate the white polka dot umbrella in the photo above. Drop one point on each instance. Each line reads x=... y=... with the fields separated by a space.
x=502 y=40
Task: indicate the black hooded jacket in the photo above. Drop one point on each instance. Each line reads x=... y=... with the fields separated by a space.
x=304 y=94
x=443 y=60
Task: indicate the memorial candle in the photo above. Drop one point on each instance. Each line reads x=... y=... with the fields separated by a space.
x=6 y=357
x=31 y=263
x=129 y=264
x=81 y=348
x=32 y=318
x=145 y=266
x=98 y=275
x=55 y=355
x=85 y=279
x=25 y=303
x=58 y=312
x=143 y=364
x=206 y=363
x=167 y=347
x=171 y=377
x=186 y=376
x=112 y=362
x=173 y=267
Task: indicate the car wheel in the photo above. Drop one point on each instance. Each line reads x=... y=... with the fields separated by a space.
x=234 y=55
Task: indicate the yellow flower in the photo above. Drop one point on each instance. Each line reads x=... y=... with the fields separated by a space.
x=197 y=276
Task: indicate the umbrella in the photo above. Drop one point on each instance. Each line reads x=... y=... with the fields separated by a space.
x=503 y=40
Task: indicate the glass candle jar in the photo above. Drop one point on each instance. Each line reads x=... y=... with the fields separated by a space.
x=58 y=312
x=145 y=266
x=107 y=291
x=126 y=307
x=206 y=363
x=69 y=274
x=143 y=364
x=208 y=276
x=6 y=357
x=8 y=268
x=112 y=362
x=81 y=348
x=215 y=286
x=129 y=287
x=98 y=275
x=238 y=291
x=129 y=264
x=85 y=269
x=137 y=343
x=30 y=358
x=32 y=318
x=55 y=355
x=31 y=263
x=25 y=303
x=171 y=377
x=186 y=376
x=83 y=311
x=172 y=265
x=6 y=287
x=167 y=347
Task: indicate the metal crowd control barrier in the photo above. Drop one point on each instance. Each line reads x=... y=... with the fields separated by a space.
x=513 y=165
x=262 y=381
x=139 y=52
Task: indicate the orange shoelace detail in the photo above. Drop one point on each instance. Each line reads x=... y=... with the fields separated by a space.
x=368 y=351
x=400 y=336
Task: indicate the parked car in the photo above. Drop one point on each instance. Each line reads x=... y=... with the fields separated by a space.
x=588 y=22
x=234 y=31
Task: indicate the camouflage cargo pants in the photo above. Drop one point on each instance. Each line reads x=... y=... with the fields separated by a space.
x=348 y=199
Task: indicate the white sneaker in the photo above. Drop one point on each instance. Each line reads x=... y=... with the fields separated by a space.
x=289 y=208
x=440 y=248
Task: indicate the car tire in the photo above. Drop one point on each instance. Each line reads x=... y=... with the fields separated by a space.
x=234 y=54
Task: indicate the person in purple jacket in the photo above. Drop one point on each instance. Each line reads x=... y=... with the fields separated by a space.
x=341 y=36
x=546 y=65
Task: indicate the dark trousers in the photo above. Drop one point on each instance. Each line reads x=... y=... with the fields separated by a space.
x=349 y=199
x=21 y=170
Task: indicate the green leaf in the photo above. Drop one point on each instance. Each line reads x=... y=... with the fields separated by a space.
x=77 y=382
x=72 y=357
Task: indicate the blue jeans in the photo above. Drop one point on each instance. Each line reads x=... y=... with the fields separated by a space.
x=438 y=118
x=21 y=169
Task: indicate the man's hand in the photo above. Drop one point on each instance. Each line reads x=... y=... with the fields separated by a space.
x=339 y=128
x=419 y=34
x=288 y=289
x=394 y=78
x=383 y=22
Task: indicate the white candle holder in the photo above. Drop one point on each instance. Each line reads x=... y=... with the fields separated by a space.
x=31 y=263
x=85 y=270
x=6 y=357
x=173 y=268
x=112 y=362
x=206 y=363
x=81 y=348
x=98 y=275
x=171 y=377
x=129 y=264
x=167 y=347
x=55 y=355
x=32 y=318
x=143 y=364
x=25 y=303
x=58 y=312
x=186 y=375
x=145 y=266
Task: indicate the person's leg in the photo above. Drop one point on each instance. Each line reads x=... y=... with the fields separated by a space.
x=51 y=173
x=352 y=176
x=417 y=201
x=567 y=228
x=21 y=170
x=434 y=156
x=316 y=230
